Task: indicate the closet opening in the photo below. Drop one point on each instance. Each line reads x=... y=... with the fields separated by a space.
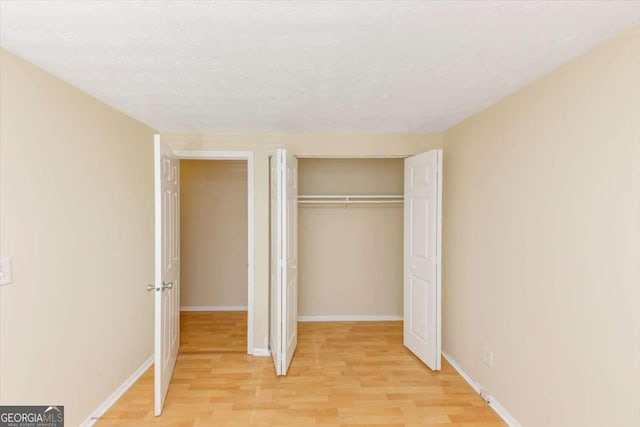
x=355 y=239
x=214 y=255
x=350 y=231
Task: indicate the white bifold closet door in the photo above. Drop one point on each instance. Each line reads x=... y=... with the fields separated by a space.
x=167 y=268
x=283 y=336
x=422 y=256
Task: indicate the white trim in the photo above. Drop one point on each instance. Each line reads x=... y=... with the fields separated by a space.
x=214 y=308
x=440 y=176
x=491 y=401
x=248 y=156
x=506 y=417
x=213 y=155
x=475 y=385
x=351 y=318
x=354 y=156
x=109 y=401
x=251 y=249
x=261 y=352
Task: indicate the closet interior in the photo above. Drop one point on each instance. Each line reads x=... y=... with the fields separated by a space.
x=213 y=227
x=350 y=238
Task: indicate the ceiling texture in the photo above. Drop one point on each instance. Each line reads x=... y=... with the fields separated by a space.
x=305 y=66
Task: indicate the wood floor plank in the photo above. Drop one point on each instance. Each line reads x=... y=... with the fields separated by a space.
x=343 y=374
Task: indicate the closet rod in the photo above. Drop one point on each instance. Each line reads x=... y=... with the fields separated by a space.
x=348 y=202
x=351 y=196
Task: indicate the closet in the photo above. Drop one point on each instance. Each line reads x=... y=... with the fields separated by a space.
x=350 y=235
x=356 y=239
x=213 y=227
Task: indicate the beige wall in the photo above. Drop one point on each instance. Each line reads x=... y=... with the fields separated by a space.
x=76 y=209
x=541 y=243
x=301 y=144
x=350 y=259
x=213 y=233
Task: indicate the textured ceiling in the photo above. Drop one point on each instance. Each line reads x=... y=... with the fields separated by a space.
x=305 y=66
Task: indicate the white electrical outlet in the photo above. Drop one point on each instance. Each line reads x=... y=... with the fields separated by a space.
x=5 y=271
x=487 y=357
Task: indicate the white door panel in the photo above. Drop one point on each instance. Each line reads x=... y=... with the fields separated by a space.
x=284 y=257
x=275 y=272
x=422 y=248
x=291 y=275
x=167 y=268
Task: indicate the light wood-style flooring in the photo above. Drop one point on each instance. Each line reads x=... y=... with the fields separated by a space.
x=343 y=374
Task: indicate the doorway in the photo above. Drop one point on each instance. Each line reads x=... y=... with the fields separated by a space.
x=350 y=224
x=239 y=162
x=213 y=255
x=167 y=284
x=421 y=197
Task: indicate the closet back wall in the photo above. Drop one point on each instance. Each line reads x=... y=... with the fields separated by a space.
x=350 y=259
x=213 y=221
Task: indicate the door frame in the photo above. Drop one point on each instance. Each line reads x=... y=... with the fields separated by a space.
x=248 y=156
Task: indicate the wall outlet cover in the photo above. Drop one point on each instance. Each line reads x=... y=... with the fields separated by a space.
x=487 y=357
x=5 y=271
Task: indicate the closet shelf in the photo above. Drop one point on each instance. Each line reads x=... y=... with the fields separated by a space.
x=350 y=196
x=347 y=199
x=349 y=202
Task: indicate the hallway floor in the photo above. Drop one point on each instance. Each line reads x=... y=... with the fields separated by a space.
x=343 y=374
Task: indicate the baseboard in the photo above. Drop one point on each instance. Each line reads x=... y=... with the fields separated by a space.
x=109 y=401
x=261 y=352
x=214 y=308
x=475 y=385
x=493 y=403
x=350 y=318
x=506 y=417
